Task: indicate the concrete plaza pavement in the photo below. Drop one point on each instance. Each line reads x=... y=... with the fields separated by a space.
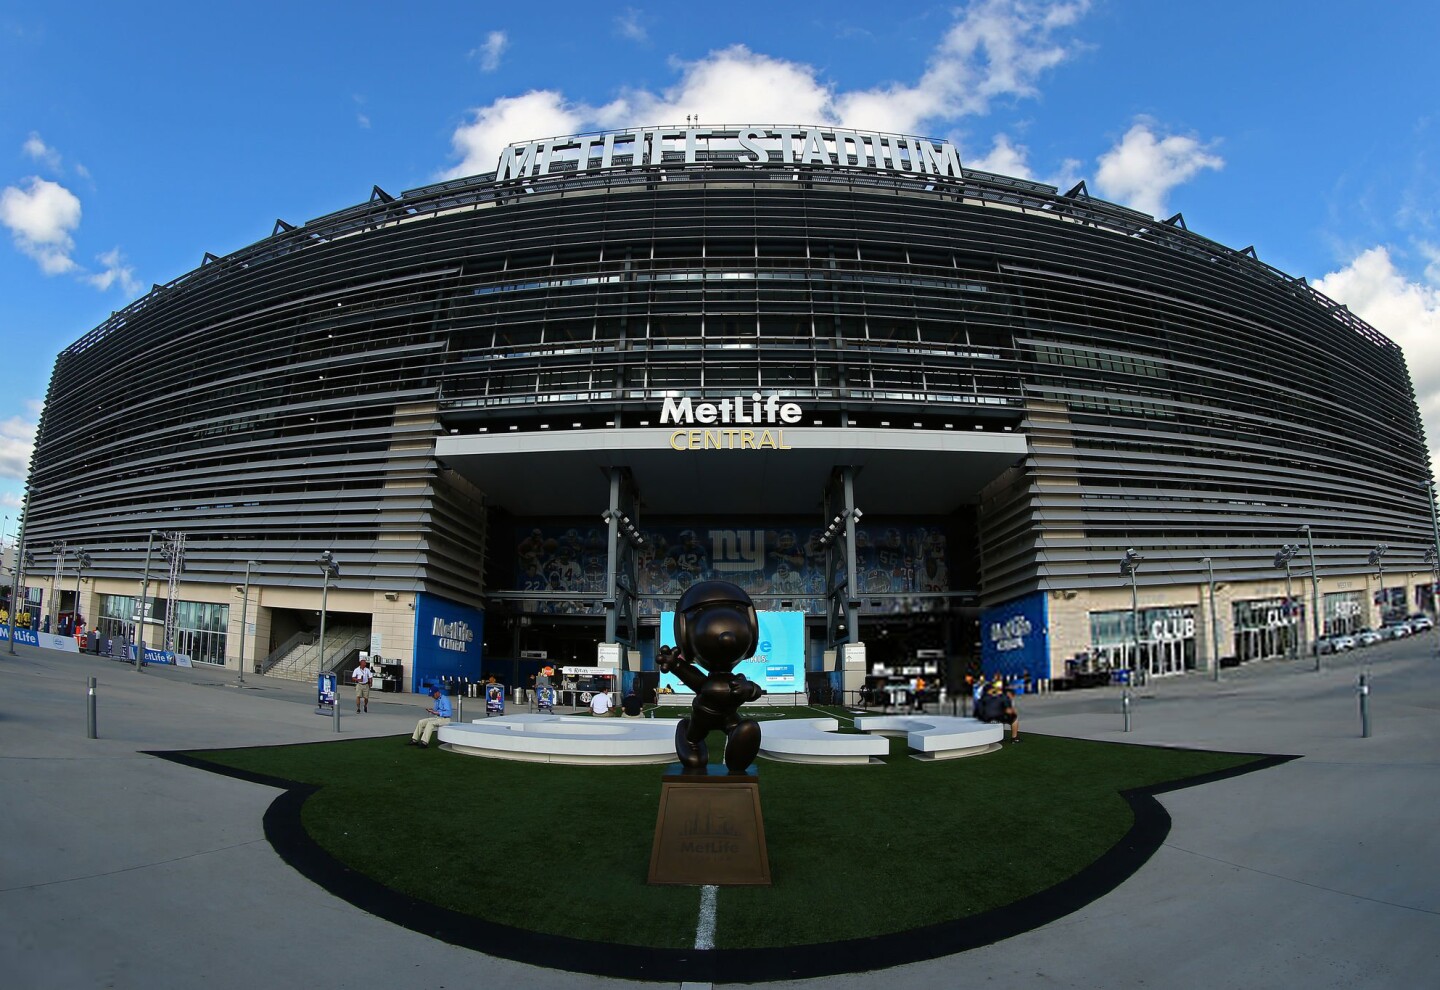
x=122 y=870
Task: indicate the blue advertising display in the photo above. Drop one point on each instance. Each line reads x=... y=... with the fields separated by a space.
x=448 y=640
x=25 y=637
x=779 y=661
x=1015 y=638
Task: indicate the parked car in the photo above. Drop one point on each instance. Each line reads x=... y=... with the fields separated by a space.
x=1396 y=630
x=1367 y=637
x=1421 y=623
x=1337 y=644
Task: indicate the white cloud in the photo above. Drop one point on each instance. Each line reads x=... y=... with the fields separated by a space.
x=539 y=113
x=41 y=152
x=1407 y=312
x=41 y=218
x=1140 y=171
x=995 y=49
x=730 y=86
x=628 y=26
x=116 y=271
x=1004 y=158
x=1431 y=253
x=362 y=120
x=17 y=442
x=489 y=53
x=1067 y=176
x=998 y=48
x=11 y=500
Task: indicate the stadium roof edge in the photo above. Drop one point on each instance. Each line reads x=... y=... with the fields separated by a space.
x=286 y=239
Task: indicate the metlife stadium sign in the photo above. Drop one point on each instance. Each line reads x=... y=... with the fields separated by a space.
x=754 y=145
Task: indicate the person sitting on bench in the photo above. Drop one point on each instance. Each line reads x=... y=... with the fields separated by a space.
x=630 y=705
x=996 y=705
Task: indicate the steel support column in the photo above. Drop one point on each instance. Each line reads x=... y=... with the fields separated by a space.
x=622 y=519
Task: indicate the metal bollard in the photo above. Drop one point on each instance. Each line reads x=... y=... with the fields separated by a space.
x=460 y=707
x=1125 y=707
x=90 y=711
x=1362 y=688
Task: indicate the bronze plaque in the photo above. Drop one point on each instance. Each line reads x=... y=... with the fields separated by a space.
x=709 y=831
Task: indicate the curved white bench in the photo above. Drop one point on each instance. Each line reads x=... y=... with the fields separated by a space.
x=587 y=739
x=817 y=740
x=937 y=737
x=575 y=739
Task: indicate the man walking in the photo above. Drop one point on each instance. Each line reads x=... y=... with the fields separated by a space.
x=362 y=676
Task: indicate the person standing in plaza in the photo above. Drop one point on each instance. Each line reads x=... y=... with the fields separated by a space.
x=439 y=715
x=362 y=676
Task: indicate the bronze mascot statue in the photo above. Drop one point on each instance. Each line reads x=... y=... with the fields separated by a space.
x=715 y=625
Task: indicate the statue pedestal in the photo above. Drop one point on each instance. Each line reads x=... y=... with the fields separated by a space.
x=709 y=830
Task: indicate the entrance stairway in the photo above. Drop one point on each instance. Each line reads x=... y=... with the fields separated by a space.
x=299 y=658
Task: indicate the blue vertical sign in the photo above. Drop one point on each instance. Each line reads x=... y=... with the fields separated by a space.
x=1015 y=638
x=448 y=640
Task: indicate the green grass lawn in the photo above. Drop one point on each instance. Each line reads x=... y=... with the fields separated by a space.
x=566 y=850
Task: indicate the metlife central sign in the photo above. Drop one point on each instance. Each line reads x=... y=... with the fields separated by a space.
x=759 y=145
x=447 y=641
x=767 y=411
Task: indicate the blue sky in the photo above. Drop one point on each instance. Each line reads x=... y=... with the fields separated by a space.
x=135 y=137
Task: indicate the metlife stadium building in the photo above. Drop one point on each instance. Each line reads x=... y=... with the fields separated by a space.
x=926 y=407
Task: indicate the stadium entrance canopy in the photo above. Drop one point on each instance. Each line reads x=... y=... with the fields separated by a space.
x=731 y=470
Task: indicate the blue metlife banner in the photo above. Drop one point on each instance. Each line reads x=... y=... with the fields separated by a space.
x=779 y=661
x=25 y=637
x=1015 y=638
x=448 y=641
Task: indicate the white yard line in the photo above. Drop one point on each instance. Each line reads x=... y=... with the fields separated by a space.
x=705 y=926
x=834 y=715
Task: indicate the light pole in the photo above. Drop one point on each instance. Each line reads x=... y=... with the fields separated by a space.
x=58 y=549
x=17 y=584
x=144 y=603
x=1214 y=622
x=1429 y=485
x=1283 y=556
x=1314 y=596
x=1375 y=558
x=329 y=568
x=1129 y=566
x=244 y=614
x=82 y=564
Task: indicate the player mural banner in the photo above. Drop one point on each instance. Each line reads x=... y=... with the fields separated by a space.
x=773 y=561
x=778 y=665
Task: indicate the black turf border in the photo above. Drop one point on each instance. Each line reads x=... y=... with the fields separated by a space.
x=755 y=965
